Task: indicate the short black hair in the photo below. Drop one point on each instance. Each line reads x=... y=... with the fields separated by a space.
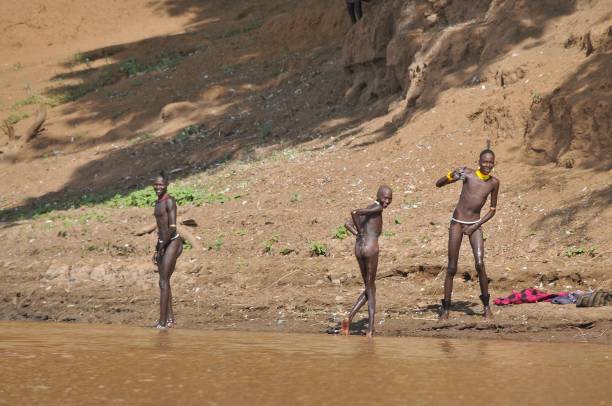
x=383 y=188
x=163 y=176
x=487 y=151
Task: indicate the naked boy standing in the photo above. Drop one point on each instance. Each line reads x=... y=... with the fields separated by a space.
x=367 y=225
x=167 y=250
x=466 y=220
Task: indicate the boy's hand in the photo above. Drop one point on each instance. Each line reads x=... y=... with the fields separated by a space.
x=155 y=258
x=458 y=174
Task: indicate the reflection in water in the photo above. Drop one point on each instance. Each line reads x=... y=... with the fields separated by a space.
x=447 y=348
x=163 y=340
x=85 y=364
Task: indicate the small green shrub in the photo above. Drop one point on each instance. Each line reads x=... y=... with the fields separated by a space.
x=269 y=243
x=191 y=132
x=132 y=67
x=318 y=249
x=16 y=117
x=286 y=251
x=341 y=233
x=217 y=244
x=295 y=197
x=575 y=251
x=78 y=58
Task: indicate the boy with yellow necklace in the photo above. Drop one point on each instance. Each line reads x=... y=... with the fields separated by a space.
x=477 y=186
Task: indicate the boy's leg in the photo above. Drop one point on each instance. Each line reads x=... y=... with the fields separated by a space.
x=163 y=293
x=477 y=243
x=360 y=300
x=371 y=268
x=170 y=315
x=171 y=321
x=455 y=236
x=168 y=262
x=160 y=273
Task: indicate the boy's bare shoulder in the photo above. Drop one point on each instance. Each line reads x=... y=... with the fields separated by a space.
x=170 y=202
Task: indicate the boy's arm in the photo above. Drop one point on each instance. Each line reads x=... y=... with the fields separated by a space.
x=469 y=230
x=356 y=222
x=351 y=227
x=374 y=209
x=356 y=214
x=451 y=177
x=172 y=217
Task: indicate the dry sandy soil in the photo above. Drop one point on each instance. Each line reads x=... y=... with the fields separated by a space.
x=286 y=118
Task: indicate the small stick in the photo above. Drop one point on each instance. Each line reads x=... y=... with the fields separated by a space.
x=9 y=130
x=36 y=127
x=283 y=277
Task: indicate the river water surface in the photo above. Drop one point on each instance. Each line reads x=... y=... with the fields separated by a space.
x=79 y=364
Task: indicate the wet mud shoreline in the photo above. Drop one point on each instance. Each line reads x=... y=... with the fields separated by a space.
x=288 y=307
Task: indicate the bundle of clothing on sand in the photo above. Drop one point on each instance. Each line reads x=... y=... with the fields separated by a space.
x=580 y=298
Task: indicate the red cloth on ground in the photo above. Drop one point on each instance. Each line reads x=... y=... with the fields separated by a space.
x=530 y=295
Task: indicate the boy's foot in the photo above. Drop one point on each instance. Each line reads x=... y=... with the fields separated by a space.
x=487 y=313
x=344 y=329
x=171 y=323
x=445 y=310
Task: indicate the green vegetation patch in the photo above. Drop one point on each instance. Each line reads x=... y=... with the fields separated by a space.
x=184 y=195
x=295 y=197
x=318 y=249
x=110 y=75
x=341 y=233
x=16 y=117
x=198 y=131
x=269 y=243
x=575 y=251
x=162 y=63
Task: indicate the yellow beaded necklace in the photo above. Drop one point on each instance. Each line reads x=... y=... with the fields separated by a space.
x=482 y=176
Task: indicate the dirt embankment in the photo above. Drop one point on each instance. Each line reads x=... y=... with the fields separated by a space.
x=415 y=50
x=285 y=118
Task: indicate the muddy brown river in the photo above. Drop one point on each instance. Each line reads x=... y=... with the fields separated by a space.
x=79 y=364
